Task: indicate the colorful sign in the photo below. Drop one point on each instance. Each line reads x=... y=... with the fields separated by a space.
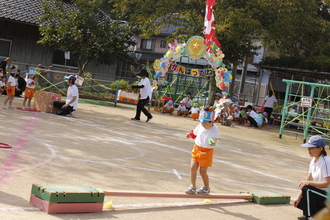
x=195 y=47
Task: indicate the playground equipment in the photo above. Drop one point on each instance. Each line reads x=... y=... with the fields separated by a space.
x=55 y=198
x=306 y=110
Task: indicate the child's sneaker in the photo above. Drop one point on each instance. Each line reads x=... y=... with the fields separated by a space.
x=10 y=107
x=191 y=190
x=29 y=108
x=4 y=106
x=23 y=108
x=203 y=190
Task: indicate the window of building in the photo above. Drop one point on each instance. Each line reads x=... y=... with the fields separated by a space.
x=163 y=43
x=124 y=72
x=147 y=44
x=5 y=47
x=59 y=59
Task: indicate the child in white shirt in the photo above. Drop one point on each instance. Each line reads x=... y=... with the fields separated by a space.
x=168 y=107
x=11 y=87
x=182 y=109
x=194 y=111
x=29 y=91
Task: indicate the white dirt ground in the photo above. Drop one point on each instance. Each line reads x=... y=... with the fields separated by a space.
x=101 y=147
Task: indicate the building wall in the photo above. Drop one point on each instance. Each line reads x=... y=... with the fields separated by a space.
x=26 y=51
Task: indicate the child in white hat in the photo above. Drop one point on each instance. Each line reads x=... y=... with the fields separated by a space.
x=182 y=110
x=29 y=91
x=206 y=136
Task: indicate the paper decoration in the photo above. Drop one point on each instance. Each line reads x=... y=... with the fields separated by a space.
x=156 y=65
x=223 y=78
x=195 y=48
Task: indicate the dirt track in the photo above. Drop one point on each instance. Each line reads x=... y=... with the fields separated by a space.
x=104 y=149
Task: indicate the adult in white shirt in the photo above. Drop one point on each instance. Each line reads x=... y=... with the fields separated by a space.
x=188 y=102
x=145 y=95
x=269 y=103
x=71 y=101
x=313 y=192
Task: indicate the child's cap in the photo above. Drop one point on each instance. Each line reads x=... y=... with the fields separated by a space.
x=195 y=104
x=315 y=141
x=170 y=102
x=13 y=69
x=31 y=72
x=206 y=116
x=265 y=114
x=181 y=102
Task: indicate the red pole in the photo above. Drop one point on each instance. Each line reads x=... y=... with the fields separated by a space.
x=179 y=195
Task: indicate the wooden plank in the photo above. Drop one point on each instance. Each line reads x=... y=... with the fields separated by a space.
x=65 y=207
x=178 y=195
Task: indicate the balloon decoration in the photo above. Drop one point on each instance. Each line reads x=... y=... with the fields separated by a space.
x=197 y=47
x=223 y=77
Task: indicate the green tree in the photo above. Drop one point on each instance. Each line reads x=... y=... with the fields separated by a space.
x=290 y=28
x=82 y=28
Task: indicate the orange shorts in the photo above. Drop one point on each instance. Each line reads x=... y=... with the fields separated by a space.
x=29 y=93
x=203 y=156
x=11 y=90
x=169 y=110
x=194 y=115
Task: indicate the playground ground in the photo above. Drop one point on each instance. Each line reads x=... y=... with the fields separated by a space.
x=101 y=147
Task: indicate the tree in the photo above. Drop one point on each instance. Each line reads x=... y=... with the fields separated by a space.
x=82 y=28
x=293 y=28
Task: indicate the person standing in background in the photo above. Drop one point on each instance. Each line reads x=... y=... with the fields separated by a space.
x=5 y=66
x=269 y=103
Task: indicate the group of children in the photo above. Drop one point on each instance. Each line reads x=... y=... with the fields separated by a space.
x=223 y=109
x=11 y=87
x=182 y=109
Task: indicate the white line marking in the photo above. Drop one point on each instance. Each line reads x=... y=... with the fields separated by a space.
x=177 y=174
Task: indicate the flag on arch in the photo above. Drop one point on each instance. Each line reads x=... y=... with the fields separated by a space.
x=209 y=28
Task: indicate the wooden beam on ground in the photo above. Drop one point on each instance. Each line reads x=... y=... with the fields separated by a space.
x=179 y=195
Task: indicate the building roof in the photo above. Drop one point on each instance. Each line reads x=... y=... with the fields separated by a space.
x=27 y=11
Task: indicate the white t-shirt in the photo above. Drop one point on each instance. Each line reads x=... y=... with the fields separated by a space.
x=29 y=81
x=2 y=84
x=12 y=81
x=320 y=169
x=146 y=91
x=72 y=91
x=187 y=103
x=228 y=102
x=181 y=108
x=203 y=136
x=270 y=101
x=168 y=107
x=256 y=117
x=194 y=110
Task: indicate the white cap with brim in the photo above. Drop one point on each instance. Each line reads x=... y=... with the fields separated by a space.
x=315 y=141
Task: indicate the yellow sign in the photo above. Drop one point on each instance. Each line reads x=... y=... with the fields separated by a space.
x=195 y=48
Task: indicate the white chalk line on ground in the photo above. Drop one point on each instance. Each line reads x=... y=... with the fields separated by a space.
x=176 y=148
x=98 y=127
x=177 y=174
